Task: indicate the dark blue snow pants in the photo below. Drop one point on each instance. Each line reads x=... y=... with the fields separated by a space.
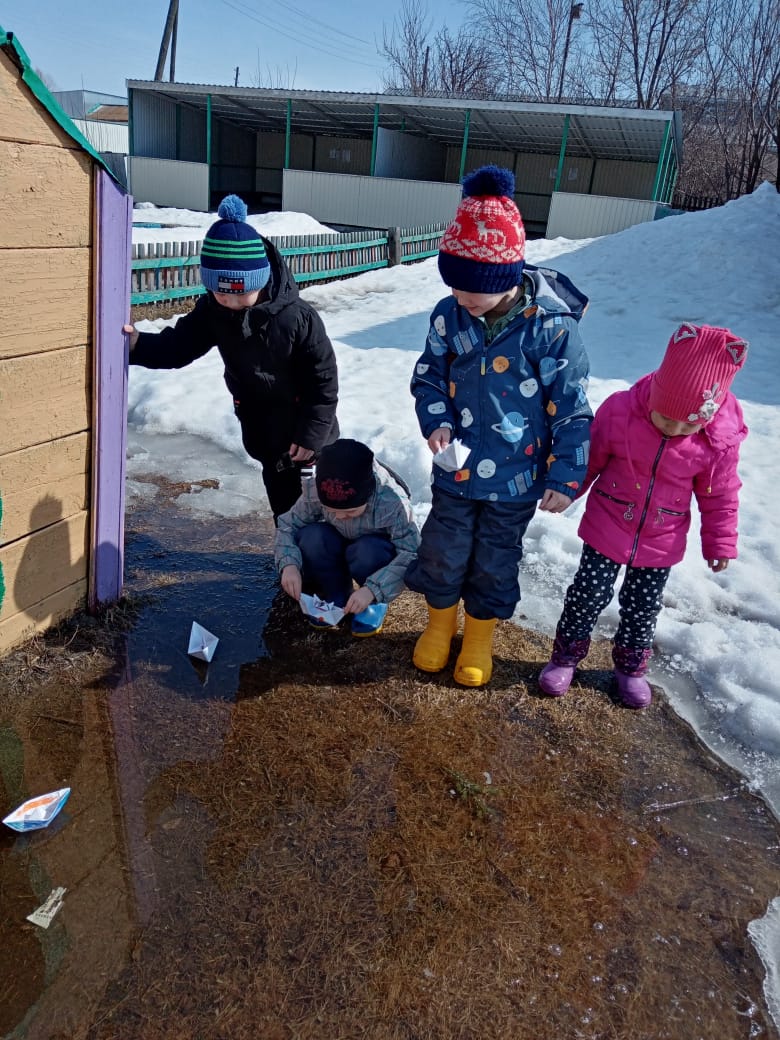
x=471 y=550
x=331 y=562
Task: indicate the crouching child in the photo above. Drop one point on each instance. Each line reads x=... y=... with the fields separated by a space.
x=352 y=526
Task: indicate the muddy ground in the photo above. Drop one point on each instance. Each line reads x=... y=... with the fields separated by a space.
x=306 y=838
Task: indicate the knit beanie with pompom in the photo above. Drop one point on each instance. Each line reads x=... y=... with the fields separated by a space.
x=483 y=249
x=233 y=259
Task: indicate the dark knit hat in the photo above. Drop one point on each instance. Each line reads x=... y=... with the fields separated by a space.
x=233 y=257
x=344 y=474
x=695 y=375
x=482 y=250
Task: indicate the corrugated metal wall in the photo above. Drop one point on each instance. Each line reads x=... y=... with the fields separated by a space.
x=153 y=125
x=409 y=157
x=191 y=143
x=169 y=183
x=379 y=202
x=588 y=216
x=624 y=179
x=104 y=137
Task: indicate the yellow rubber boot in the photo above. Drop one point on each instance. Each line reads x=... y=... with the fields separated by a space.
x=475 y=661
x=433 y=647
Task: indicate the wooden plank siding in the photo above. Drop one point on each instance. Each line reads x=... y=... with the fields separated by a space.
x=45 y=576
x=47 y=242
x=46 y=201
x=43 y=485
x=45 y=302
x=43 y=397
x=22 y=119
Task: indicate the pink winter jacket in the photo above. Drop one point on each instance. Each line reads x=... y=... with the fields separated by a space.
x=639 y=507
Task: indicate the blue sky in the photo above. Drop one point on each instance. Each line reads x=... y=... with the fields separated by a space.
x=302 y=44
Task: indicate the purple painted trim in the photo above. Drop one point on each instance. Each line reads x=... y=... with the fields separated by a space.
x=113 y=231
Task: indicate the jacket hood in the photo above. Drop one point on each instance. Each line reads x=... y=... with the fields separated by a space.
x=554 y=293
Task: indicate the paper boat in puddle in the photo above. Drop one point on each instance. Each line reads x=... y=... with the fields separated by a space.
x=202 y=642
x=37 y=812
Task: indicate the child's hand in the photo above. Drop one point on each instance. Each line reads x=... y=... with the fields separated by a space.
x=300 y=454
x=132 y=332
x=359 y=600
x=292 y=582
x=717 y=565
x=439 y=439
x=554 y=502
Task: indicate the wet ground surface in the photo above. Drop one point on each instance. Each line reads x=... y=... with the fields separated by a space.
x=306 y=838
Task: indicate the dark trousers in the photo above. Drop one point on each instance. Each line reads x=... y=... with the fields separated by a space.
x=471 y=550
x=331 y=562
x=267 y=437
x=640 y=599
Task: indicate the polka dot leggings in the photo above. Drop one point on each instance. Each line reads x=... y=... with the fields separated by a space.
x=640 y=599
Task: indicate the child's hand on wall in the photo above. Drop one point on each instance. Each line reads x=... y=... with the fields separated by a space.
x=132 y=332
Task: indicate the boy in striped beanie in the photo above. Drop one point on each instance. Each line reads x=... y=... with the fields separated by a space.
x=280 y=367
x=500 y=399
x=233 y=261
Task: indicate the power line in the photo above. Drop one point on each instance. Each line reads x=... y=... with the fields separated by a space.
x=298 y=37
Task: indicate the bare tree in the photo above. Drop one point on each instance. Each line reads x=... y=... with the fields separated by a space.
x=458 y=64
x=741 y=96
x=639 y=51
x=530 y=37
x=407 y=50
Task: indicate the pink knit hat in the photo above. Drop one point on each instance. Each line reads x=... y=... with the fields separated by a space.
x=695 y=375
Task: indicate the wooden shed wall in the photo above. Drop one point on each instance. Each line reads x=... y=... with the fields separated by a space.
x=46 y=240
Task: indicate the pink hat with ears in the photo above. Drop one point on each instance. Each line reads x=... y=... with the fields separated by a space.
x=695 y=375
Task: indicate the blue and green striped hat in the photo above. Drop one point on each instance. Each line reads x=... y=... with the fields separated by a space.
x=233 y=258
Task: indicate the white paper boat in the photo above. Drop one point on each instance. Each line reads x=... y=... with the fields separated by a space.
x=202 y=642
x=37 y=812
x=319 y=609
x=453 y=457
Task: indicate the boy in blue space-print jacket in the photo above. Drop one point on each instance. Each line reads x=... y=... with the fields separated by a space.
x=505 y=373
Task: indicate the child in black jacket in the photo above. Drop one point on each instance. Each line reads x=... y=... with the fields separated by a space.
x=279 y=363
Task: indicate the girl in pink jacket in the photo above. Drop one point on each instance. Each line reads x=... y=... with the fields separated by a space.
x=674 y=433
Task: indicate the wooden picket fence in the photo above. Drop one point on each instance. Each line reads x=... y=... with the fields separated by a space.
x=163 y=271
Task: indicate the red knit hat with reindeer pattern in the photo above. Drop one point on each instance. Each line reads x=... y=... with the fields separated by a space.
x=694 y=377
x=483 y=249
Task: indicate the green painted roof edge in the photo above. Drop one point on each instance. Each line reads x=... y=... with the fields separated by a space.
x=8 y=41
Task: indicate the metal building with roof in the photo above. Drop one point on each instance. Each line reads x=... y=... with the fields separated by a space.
x=349 y=158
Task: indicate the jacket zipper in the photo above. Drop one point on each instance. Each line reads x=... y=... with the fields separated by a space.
x=629 y=513
x=650 y=486
x=661 y=512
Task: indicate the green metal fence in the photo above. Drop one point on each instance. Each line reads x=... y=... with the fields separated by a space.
x=163 y=271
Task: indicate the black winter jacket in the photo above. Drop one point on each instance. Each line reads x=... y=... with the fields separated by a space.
x=279 y=363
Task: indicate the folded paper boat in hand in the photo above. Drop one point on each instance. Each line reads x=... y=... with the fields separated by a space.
x=317 y=608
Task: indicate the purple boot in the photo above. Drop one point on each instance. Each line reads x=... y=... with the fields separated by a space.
x=555 y=678
x=630 y=667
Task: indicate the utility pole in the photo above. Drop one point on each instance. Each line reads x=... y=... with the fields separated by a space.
x=574 y=12
x=235 y=82
x=171 y=23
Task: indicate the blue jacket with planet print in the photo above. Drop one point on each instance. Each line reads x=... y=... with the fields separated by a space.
x=513 y=393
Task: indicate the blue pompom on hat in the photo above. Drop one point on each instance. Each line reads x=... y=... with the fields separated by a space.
x=233 y=258
x=483 y=249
